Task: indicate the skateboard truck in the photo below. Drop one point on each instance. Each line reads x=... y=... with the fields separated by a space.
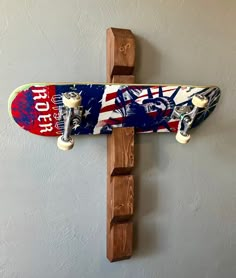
x=187 y=116
x=71 y=112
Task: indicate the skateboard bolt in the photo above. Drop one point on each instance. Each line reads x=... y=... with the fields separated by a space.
x=187 y=119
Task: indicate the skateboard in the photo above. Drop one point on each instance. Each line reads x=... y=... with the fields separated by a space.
x=63 y=110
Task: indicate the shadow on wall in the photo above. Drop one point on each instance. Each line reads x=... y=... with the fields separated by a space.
x=146 y=234
x=151 y=227
x=147 y=66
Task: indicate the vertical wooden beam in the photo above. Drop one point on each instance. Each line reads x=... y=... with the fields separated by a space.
x=120 y=52
x=120 y=152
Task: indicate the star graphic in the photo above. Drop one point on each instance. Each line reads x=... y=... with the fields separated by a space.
x=75 y=123
x=87 y=112
x=75 y=127
x=87 y=125
x=73 y=88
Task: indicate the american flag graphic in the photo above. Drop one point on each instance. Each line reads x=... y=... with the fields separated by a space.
x=147 y=108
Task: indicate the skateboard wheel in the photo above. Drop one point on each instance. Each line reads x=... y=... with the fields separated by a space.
x=65 y=145
x=182 y=138
x=71 y=100
x=199 y=101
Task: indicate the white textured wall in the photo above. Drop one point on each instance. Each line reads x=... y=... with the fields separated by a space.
x=52 y=204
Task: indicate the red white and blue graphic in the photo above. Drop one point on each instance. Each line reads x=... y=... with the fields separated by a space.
x=147 y=108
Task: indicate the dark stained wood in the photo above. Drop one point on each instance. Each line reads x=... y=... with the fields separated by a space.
x=120 y=152
x=120 y=52
x=120 y=247
x=120 y=194
x=122 y=198
x=125 y=79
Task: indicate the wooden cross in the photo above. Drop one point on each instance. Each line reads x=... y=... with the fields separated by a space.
x=120 y=152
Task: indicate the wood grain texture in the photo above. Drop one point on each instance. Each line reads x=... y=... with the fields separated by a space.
x=122 y=198
x=125 y=79
x=120 y=52
x=120 y=244
x=120 y=194
x=120 y=152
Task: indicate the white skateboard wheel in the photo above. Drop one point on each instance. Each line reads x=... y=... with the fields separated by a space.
x=65 y=145
x=199 y=101
x=181 y=138
x=71 y=100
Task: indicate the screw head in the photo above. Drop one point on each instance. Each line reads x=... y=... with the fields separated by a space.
x=187 y=119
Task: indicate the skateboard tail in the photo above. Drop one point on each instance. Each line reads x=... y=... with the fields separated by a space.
x=33 y=108
x=13 y=96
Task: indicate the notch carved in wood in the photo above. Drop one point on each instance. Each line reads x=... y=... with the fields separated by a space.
x=120 y=152
x=120 y=52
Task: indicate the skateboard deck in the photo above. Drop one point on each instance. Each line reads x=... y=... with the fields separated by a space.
x=147 y=108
